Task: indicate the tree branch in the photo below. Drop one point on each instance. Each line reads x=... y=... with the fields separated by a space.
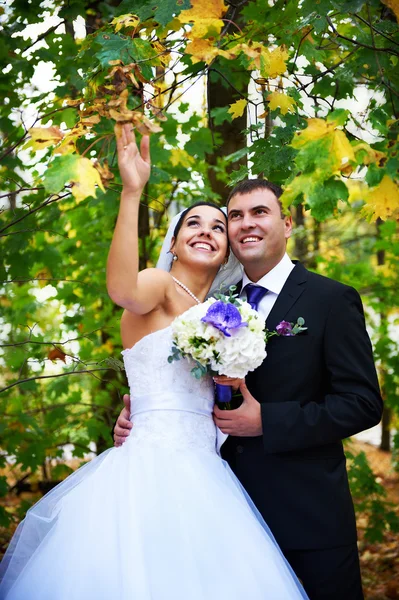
x=43 y=35
x=30 y=212
x=48 y=343
x=356 y=43
x=88 y=371
x=375 y=29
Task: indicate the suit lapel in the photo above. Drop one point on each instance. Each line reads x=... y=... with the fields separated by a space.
x=292 y=290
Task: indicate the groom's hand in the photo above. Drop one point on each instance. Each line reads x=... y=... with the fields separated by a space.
x=123 y=425
x=245 y=421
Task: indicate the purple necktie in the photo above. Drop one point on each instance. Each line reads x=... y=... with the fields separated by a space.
x=255 y=294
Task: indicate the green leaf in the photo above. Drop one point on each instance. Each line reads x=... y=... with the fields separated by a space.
x=167 y=9
x=200 y=143
x=3 y=485
x=220 y=114
x=324 y=198
x=338 y=116
x=374 y=175
x=114 y=47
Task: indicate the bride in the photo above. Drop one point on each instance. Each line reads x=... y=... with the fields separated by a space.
x=161 y=517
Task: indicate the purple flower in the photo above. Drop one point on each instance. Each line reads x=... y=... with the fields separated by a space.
x=224 y=316
x=284 y=328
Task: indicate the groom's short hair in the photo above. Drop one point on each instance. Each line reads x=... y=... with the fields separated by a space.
x=250 y=185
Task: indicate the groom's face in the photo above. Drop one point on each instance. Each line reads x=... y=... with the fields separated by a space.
x=257 y=231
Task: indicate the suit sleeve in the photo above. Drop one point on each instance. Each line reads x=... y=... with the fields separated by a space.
x=352 y=401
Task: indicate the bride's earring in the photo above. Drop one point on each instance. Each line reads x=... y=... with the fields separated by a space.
x=174 y=257
x=224 y=263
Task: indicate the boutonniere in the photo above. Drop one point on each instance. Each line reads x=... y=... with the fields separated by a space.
x=287 y=329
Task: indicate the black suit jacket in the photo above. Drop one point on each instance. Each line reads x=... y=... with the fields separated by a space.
x=315 y=389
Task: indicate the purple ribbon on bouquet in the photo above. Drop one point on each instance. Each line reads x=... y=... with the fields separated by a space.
x=224 y=393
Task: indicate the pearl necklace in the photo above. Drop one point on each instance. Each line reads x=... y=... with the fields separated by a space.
x=185 y=288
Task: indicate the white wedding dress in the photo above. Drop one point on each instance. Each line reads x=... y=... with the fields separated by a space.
x=160 y=518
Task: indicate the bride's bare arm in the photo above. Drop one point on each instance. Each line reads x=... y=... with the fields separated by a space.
x=138 y=293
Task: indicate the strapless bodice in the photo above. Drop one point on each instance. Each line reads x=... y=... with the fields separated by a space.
x=169 y=406
x=158 y=384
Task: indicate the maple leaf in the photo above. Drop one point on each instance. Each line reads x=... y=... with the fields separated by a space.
x=77 y=170
x=201 y=50
x=125 y=21
x=382 y=201
x=367 y=155
x=301 y=184
x=358 y=190
x=205 y=15
x=163 y=54
x=56 y=354
x=277 y=62
x=282 y=101
x=270 y=63
x=237 y=108
x=342 y=152
x=181 y=157
x=42 y=137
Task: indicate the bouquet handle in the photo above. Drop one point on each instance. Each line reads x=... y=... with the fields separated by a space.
x=224 y=394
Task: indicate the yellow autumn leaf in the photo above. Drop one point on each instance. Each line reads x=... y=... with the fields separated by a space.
x=282 y=101
x=358 y=190
x=316 y=129
x=42 y=137
x=270 y=63
x=181 y=157
x=277 y=62
x=163 y=54
x=125 y=21
x=201 y=50
x=205 y=15
x=382 y=201
x=237 y=108
x=85 y=179
x=371 y=156
x=341 y=150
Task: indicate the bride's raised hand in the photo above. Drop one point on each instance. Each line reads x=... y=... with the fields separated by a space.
x=134 y=165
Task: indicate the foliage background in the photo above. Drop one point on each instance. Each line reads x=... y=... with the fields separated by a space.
x=282 y=83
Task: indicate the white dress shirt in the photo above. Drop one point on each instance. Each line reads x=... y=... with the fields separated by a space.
x=273 y=281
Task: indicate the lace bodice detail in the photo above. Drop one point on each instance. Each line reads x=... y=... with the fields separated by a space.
x=169 y=406
x=149 y=373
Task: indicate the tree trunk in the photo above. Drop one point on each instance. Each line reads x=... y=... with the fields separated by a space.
x=228 y=137
x=312 y=262
x=300 y=238
x=385 y=443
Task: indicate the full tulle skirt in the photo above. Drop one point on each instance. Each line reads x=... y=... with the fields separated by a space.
x=145 y=522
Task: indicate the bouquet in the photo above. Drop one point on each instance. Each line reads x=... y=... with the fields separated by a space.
x=223 y=336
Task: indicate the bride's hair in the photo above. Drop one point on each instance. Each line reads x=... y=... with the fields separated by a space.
x=228 y=274
x=187 y=210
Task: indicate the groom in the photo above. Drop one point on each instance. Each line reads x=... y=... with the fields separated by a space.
x=313 y=390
